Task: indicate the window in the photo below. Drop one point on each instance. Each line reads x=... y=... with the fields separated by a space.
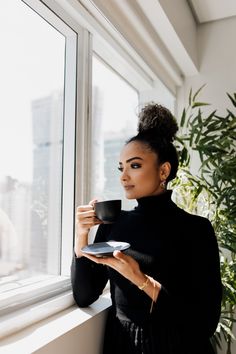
x=115 y=107
x=45 y=88
x=37 y=123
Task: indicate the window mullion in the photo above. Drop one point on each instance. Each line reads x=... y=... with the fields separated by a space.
x=69 y=153
x=83 y=124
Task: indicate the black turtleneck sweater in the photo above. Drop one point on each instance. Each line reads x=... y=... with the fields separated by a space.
x=177 y=249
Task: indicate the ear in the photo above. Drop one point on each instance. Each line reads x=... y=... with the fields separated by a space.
x=165 y=171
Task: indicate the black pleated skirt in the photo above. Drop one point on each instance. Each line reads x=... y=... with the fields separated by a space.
x=123 y=336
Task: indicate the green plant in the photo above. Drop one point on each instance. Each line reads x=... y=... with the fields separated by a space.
x=210 y=138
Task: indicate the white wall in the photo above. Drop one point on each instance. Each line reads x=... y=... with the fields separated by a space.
x=84 y=339
x=182 y=20
x=217 y=64
x=71 y=331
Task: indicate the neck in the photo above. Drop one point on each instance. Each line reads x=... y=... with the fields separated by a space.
x=159 y=201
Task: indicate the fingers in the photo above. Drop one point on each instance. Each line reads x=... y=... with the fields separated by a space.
x=86 y=217
x=99 y=260
x=120 y=256
x=85 y=212
x=113 y=262
x=82 y=208
x=92 y=202
x=89 y=206
x=122 y=263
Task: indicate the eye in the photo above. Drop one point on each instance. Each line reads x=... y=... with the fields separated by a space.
x=135 y=165
x=120 y=169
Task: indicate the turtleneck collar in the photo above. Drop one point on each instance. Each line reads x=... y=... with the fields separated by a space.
x=160 y=201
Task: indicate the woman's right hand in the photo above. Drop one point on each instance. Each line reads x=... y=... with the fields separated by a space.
x=85 y=219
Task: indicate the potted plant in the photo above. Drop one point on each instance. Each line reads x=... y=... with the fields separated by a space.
x=211 y=139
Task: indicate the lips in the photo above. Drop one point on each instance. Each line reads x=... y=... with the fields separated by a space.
x=127 y=188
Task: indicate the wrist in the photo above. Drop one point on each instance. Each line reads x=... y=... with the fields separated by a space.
x=81 y=241
x=139 y=279
x=151 y=287
x=144 y=284
x=82 y=231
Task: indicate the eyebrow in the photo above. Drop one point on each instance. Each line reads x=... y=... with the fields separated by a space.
x=131 y=159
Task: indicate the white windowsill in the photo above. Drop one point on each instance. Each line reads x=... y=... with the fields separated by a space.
x=39 y=334
x=15 y=293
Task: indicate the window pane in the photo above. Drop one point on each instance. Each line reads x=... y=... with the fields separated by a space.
x=115 y=105
x=31 y=140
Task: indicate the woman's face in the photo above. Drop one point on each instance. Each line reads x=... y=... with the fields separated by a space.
x=140 y=174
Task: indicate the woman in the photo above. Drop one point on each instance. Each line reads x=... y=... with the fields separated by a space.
x=166 y=289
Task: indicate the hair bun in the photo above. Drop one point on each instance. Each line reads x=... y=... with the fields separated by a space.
x=157 y=121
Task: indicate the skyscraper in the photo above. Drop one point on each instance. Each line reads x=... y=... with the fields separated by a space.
x=47 y=125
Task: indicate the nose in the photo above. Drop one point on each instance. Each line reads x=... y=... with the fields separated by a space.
x=124 y=175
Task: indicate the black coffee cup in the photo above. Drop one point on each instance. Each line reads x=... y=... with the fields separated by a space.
x=108 y=210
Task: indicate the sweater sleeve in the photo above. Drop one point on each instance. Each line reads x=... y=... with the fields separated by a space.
x=193 y=295
x=88 y=279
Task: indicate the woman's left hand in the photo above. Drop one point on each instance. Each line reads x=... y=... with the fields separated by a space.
x=122 y=263
x=129 y=268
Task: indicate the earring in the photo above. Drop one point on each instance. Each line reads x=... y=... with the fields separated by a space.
x=163 y=184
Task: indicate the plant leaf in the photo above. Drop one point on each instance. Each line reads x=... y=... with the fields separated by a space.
x=232 y=99
x=183 y=118
x=199 y=104
x=212 y=192
x=190 y=97
x=197 y=92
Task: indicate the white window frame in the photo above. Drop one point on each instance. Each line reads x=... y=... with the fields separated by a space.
x=33 y=292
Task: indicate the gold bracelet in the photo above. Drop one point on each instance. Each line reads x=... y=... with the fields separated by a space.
x=153 y=294
x=145 y=283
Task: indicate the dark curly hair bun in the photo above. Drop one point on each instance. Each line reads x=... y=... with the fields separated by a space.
x=157 y=121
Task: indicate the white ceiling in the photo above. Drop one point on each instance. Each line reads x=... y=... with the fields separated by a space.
x=212 y=10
